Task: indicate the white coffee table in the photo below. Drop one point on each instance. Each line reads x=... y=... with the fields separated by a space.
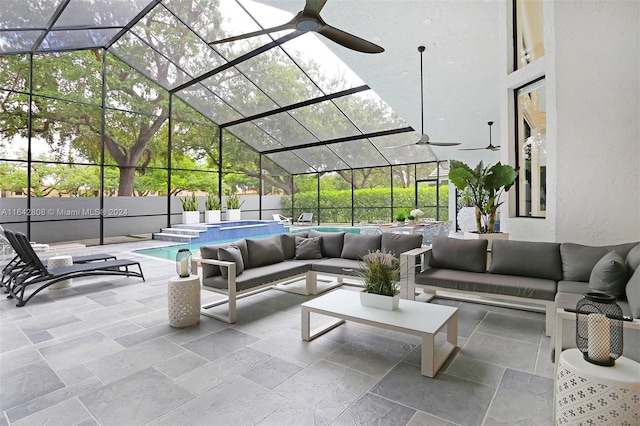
x=420 y=319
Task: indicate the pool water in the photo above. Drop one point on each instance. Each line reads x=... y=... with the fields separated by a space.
x=169 y=252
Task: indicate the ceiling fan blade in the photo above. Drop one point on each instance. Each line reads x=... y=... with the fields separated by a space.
x=348 y=40
x=400 y=146
x=443 y=143
x=472 y=149
x=288 y=26
x=314 y=6
x=494 y=148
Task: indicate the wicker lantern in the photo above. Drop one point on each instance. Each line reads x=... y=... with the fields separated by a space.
x=183 y=263
x=599 y=328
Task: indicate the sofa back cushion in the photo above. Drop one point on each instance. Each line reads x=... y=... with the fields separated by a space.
x=331 y=242
x=455 y=253
x=609 y=275
x=632 y=291
x=633 y=259
x=210 y=252
x=264 y=251
x=397 y=244
x=526 y=259
x=308 y=248
x=578 y=260
x=288 y=242
x=355 y=245
x=231 y=253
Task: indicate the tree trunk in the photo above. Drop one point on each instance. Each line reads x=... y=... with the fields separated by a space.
x=125 y=184
x=492 y=221
x=479 y=220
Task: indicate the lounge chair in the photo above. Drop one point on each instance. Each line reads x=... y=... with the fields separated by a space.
x=305 y=219
x=283 y=219
x=36 y=274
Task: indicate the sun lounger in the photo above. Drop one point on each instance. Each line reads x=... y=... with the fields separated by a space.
x=36 y=275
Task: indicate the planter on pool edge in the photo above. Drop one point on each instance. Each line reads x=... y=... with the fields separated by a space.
x=233 y=214
x=190 y=217
x=211 y=216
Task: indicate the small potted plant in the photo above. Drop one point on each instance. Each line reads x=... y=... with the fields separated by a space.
x=233 y=204
x=212 y=212
x=380 y=271
x=401 y=216
x=190 y=212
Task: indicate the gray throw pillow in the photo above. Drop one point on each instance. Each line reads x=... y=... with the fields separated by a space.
x=455 y=253
x=633 y=260
x=231 y=254
x=264 y=251
x=288 y=242
x=331 y=242
x=609 y=275
x=308 y=248
x=244 y=251
x=397 y=244
x=526 y=259
x=355 y=246
x=210 y=252
x=578 y=260
x=632 y=291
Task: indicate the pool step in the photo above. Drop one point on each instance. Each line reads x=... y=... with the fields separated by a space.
x=178 y=238
x=181 y=231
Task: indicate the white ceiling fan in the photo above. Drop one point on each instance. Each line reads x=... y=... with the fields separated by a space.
x=424 y=138
x=491 y=147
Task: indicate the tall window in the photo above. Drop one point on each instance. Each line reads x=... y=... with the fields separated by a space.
x=531 y=137
x=529 y=42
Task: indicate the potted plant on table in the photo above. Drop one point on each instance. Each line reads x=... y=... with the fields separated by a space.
x=190 y=212
x=212 y=211
x=233 y=204
x=380 y=272
x=485 y=187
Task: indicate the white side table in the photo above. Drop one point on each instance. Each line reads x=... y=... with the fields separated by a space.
x=184 y=301
x=59 y=262
x=590 y=394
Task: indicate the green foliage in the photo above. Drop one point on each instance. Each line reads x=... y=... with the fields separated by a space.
x=401 y=216
x=212 y=202
x=485 y=186
x=380 y=273
x=233 y=202
x=189 y=203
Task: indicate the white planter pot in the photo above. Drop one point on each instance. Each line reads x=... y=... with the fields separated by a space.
x=190 y=217
x=378 y=301
x=467 y=219
x=233 y=214
x=212 y=216
x=489 y=237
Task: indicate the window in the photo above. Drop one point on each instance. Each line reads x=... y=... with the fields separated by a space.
x=531 y=139
x=529 y=42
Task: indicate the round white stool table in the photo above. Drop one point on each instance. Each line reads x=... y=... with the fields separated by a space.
x=184 y=301
x=59 y=262
x=591 y=394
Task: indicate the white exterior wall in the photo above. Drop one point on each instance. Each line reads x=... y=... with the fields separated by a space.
x=592 y=68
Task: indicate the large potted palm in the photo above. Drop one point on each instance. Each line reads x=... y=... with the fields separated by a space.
x=485 y=186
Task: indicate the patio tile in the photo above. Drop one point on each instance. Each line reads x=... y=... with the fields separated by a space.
x=219 y=344
x=510 y=353
x=79 y=350
x=22 y=384
x=513 y=326
x=475 y=371
x=272 y=372
x=371 y=409
x=12 y=337
x=181 y=364
x=423 y=419
x=291 y=414
x=145 y=335
x=70 y=412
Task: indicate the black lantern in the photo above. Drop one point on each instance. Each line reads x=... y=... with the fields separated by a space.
x=599 y=328
x=183 y=263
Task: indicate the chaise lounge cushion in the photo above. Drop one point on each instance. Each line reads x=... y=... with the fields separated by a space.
x=463 y=255
x=231 y=253
x=264 y=251
x=355 y=246
x=397 y=244
x=526 y=259
x=288 y=242
x=308 y=248
x=331 y=242
x=609 y=275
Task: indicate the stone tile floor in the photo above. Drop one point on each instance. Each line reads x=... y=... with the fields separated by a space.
x=102 y=353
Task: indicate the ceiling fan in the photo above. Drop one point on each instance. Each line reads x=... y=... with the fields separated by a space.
x=491 y=147
x=309 y=20
x=424 y=138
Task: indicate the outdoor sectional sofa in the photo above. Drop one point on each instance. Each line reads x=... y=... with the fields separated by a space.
x=248 y=266
x=555 y=275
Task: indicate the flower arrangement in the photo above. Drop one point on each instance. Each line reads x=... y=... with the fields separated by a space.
x=416 y=213
x=380 y=273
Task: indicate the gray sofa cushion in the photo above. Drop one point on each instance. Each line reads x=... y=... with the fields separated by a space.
x=578 y=260
x=632 y=291
x=633 y=259
x=308 y=248
x=337 y=266
x=231 y=253
x=532 y=288
x=258 y=276
x=399 y=243
x=210 y=252
x=331 y=242
x=264 y=251
x=526 y=259
x=355 y=246
x=288 y=242
x=609 y=275
x=463 y=255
